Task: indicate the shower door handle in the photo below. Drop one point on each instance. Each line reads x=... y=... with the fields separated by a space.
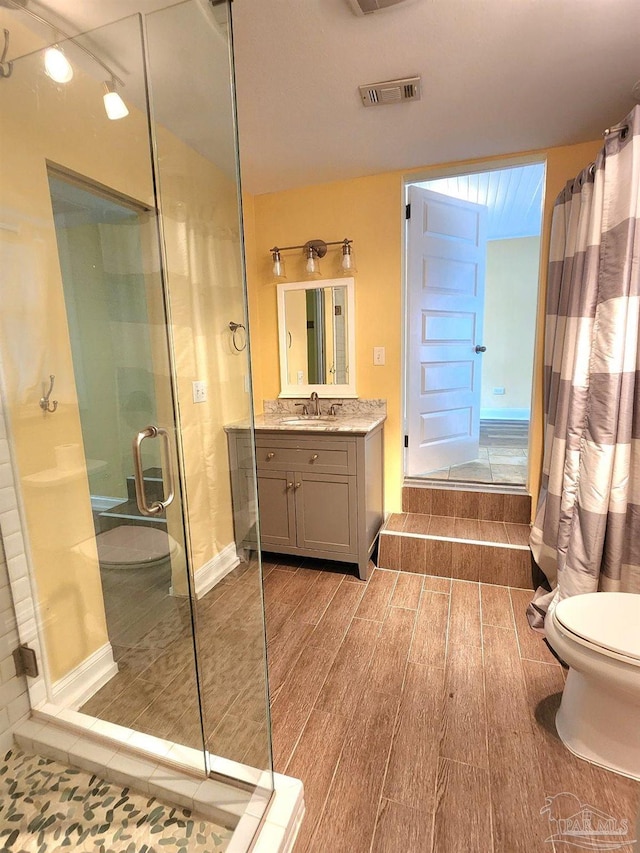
x=138 y=473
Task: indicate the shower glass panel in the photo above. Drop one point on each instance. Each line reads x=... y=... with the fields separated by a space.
x=121 y=267
x=200 y=203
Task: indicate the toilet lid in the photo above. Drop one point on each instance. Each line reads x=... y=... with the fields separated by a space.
x=610 y=620
x=133 y=545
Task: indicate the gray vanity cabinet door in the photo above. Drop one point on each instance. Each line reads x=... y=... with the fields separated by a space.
x=325 y=512
x=277 y=512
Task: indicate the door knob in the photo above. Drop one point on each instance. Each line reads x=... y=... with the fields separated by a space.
x=481 y=349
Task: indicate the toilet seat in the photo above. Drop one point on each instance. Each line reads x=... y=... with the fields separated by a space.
x=607 y=622
x=131 y=546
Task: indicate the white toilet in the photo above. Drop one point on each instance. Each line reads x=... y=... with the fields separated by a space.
x=598 y=636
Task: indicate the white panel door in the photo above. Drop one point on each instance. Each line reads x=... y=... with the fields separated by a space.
x=446 y=252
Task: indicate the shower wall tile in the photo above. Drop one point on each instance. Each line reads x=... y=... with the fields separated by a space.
x=17 y=615
x=14 y=702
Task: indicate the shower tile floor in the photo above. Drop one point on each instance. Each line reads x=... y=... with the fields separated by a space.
x=46 y=807
x=419 y=713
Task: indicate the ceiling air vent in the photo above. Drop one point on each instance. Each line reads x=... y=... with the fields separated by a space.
x=390 y=92
x=365 y=7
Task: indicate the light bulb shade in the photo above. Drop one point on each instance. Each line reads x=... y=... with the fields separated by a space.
x=279 y=271
x=114 y=106
x=57 y=66
x=312 y=264
x=348 y=262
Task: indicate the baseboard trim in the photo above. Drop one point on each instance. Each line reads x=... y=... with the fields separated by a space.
x=74 y=688
x=505 y=414
x=207 y=576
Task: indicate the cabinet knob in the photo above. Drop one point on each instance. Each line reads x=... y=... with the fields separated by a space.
x=313 y=458
x=289 y=485
x=270 y=455
x=298 y=485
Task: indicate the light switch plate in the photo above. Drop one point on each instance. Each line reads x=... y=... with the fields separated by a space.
x=200 y=392
x=379 y=355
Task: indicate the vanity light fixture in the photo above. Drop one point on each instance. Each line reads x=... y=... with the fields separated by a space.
x=348 y=260
x=279 y=271
x=312 y=263
x=313 y=251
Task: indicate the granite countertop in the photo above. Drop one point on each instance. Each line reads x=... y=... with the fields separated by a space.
x=358 y=424
x=355 y=416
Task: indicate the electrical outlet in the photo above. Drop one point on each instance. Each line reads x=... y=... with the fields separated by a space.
x=378 y=355
x=499 y=392
x=300 y=377
x=200 y=392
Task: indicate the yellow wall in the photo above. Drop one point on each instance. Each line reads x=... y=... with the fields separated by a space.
x=67 y=125
x=511 y=297
x=369 y=210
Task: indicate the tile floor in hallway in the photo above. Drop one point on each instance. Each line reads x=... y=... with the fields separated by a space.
x=502 y=458
x=419 y=714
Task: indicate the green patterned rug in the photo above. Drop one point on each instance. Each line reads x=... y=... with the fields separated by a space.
x=46 y=807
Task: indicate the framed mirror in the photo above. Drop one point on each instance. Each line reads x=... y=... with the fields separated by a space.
x=316 y=331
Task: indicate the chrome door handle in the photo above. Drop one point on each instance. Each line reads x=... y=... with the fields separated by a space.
x=481 y=349
x=138 y=474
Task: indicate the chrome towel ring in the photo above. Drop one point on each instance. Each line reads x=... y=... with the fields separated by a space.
x=243 y=338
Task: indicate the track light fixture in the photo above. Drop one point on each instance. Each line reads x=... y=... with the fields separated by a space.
x=114 y=106
x=313 y=251
x=56 y=65
x=60 y=70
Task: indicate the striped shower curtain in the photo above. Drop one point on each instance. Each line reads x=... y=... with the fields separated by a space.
x=586 y=535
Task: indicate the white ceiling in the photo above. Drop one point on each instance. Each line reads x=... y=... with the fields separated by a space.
x=498 y=76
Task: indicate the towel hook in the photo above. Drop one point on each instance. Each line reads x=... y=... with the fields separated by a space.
x=234 y=328
x=44 y=401
x=5 y=67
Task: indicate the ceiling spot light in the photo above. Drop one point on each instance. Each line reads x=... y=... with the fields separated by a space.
x=57 y=66
x=114 y=106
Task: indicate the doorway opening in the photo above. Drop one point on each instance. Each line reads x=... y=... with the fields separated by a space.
x=472 y=262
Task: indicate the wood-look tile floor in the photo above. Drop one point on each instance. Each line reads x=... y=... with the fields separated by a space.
x=419 y=714
x=155 y=691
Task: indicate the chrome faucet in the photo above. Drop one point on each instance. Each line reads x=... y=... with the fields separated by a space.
x=315 y=404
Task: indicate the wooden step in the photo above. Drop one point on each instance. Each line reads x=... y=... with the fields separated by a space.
x=514 y=508
x=492 y=552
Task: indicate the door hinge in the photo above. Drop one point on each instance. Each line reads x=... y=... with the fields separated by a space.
x=407 y=212
x=406 y=441
x=25 y=661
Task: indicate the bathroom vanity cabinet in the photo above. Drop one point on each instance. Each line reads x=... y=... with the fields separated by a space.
x=319 y=494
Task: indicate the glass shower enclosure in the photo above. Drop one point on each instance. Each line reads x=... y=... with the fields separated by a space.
x=121 y=269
